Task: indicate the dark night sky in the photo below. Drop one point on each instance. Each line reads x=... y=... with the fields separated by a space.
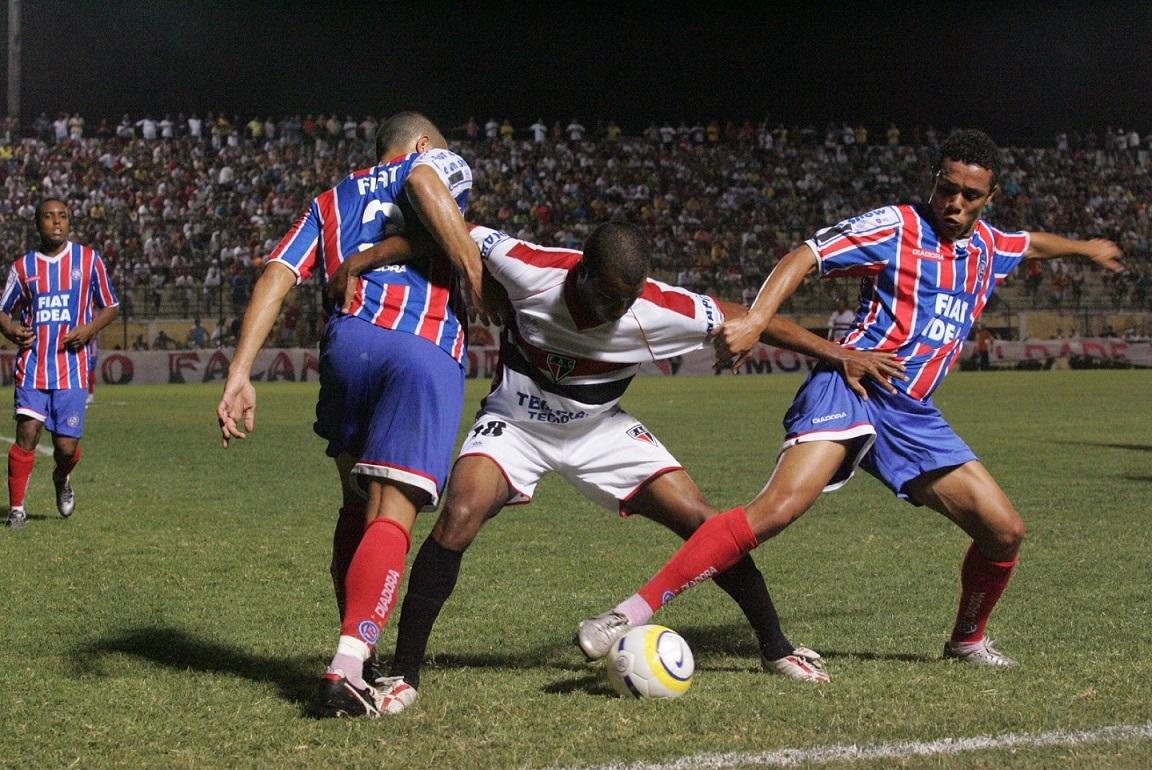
x=1017 y=69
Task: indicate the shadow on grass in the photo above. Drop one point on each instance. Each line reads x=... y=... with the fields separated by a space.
x=179 y=650
x=1103 y=445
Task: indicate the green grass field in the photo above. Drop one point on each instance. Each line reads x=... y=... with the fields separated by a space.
x=181 y=617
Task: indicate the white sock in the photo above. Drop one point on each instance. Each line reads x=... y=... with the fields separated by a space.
x=635 y=609
x=349 y=660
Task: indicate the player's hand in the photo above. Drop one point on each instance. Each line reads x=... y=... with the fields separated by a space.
x=75 y=339
x=237 y=407
x=20 y=334
x=734 y=341
x=337 y=285
x=858 y=365
x=1104 y=253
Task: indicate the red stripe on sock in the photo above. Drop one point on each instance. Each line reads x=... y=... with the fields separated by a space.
x=718 y=544
x=20 y=464
x=982 y=581
x=373 y=581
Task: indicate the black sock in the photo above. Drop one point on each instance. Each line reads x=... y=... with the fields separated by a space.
x=744 y=583
x=430 y=583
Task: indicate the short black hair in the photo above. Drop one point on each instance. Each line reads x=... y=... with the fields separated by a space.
x=46 y=201
x=971 y=146
x=401 y=128
x=618 y=249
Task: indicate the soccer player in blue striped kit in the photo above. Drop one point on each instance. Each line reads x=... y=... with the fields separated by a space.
x=391 y=378
x=928 y=272
x=56 y=300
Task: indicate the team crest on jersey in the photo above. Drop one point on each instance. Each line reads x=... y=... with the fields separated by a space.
x=76 y=274
x=640 y=433
x=560 y=366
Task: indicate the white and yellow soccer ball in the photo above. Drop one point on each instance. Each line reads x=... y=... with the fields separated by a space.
x=651 y=662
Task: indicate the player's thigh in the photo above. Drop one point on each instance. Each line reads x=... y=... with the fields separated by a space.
x=674 y=500
x=613 y=459
x=969 y=496
x=477 y=490
x=801 y=474
x=522 y=452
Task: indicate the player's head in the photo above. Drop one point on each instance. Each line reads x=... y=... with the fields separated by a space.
x=964 y=183
x=614 y=269
x=407 y=132
x=53 y=223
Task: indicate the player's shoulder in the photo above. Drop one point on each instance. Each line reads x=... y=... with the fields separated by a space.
x=443 y=159
x=877 y=219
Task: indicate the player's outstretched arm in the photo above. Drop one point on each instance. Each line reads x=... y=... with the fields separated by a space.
x=1103 y=252
x=739 y=336
x=442 y=218
x=238 y=403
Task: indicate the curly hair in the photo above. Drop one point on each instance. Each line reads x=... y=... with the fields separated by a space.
x=973 y=147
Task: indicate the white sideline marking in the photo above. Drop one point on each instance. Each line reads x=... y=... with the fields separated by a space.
x=40 y=449
x=903 y=750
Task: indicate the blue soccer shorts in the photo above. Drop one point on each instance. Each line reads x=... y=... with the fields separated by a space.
x=894 y=437
x=391 y=399
x=61 y=411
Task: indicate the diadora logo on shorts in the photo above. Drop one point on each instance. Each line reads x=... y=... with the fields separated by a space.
x=828 y=418
x=560 y=366
x=640 y=433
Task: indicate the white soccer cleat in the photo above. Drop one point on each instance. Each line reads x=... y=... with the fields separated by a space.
x=803 y=664
x=65 y=497
x=980 y=653
x=596 y=635
x=17 y=518
x=395 y=694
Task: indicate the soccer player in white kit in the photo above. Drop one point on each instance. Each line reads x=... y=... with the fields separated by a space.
x=578 y=325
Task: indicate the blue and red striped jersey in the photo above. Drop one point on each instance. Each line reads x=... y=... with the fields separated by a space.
x=365 y=208
x=920 y=294
x=53 y=296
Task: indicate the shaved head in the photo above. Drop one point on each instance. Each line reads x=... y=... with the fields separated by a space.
x=401 y=132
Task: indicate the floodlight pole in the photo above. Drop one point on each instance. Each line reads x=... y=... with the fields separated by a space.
x=14 y=43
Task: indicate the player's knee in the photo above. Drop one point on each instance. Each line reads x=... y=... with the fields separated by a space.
x=459 y=523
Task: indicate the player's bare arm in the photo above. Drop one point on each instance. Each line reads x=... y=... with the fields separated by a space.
x=442 y=218
x=15 y=332
x=238 y=404
x=737 y=338
x=83 y=334
x=855 y=365
x=342 y=285
x=1103 y=252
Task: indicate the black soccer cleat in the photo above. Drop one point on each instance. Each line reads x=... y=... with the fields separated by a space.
x=337 y=697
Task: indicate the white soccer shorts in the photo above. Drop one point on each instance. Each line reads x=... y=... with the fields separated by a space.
x=607 y=458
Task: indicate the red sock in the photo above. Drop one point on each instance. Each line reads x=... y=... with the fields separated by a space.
x=345 y=539
x=373 y=581
x=719 y=543
x=61 y=471
x=981 y=583
x=20 y=464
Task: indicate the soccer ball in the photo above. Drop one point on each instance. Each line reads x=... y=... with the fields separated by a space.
x=651 y=662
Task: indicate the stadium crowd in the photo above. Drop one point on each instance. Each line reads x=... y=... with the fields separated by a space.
x=185 y=207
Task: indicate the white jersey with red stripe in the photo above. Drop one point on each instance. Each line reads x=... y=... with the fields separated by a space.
x=52 y=296
x=559 y=363
x=920 y=294
x=365 y=208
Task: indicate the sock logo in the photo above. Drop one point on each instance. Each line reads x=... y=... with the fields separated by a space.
x=384 y=604
x=369 y=632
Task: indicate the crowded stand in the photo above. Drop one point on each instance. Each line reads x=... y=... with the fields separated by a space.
x=185 y=207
